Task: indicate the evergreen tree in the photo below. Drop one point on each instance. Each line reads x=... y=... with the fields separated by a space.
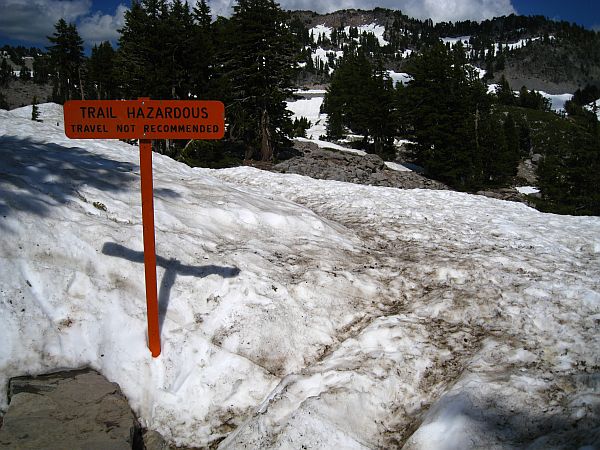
x=503 y=162
x=533 y=100
x=202 y=59
x=202 y=15
x=360 y=98
x=66 y=56
x=569 y=174
x=258 y=65
x=504 y=93
x=380 y=124
x=141 y=56
x=6 y=73
x=450 y=113
x=24 y=74
x=524 y=138
x=101 y=71
x=348 y=94
x=41 y=69
x=3 y=102
x=35 y=112
x=160 y=55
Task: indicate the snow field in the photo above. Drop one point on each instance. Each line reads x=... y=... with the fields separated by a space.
x=484 y=286
x=310 y=108
x=298 y=311
x=377 y=30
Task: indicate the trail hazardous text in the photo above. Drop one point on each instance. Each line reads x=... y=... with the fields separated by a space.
x=144 y=119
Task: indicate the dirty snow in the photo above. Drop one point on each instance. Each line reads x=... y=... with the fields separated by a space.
x=299 y=312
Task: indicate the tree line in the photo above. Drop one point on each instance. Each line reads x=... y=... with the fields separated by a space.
x=168 y=50
x=463 y=135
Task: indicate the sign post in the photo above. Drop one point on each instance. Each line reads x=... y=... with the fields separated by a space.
x=145 y=120
x=149 y=245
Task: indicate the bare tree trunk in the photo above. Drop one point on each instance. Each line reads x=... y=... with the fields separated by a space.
x=266 y=148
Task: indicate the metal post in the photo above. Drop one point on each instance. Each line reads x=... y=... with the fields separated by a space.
x=149 y=245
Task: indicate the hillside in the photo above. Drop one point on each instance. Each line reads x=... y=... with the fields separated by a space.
x=298 y=312
x=541 y=54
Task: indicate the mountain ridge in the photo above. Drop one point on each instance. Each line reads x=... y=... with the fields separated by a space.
x=556 y=57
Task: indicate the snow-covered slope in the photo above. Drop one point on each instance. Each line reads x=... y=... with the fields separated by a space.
x=298 y=312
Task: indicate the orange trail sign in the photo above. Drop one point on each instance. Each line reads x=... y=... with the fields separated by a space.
x=146 y=120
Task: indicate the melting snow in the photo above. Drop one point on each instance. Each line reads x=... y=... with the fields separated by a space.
x=399 y=77
x=299 y=312
x=527 y=190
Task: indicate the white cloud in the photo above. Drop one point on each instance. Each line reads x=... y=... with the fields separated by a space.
x=100 y=27
x=438 y=10
x=33 y=20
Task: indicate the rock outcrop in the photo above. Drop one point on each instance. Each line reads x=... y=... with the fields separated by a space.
x=326 y=164
x=68 y=410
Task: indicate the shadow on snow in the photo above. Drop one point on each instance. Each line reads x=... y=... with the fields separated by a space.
x=173 y=267
x=36 y=176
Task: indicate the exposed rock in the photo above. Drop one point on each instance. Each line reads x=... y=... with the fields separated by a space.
x=509 y=194
x=68 y=410
x=154 y=441
x=536 y=158
x=527 y=172
x=20 y=93
x=329 y=164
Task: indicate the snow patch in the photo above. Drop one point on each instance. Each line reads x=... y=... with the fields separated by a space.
x=527 y=190
x=399 y=77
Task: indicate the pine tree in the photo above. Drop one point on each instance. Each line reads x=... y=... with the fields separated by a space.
x=258 y=66
x=380 y=125
x=450 y=114
x=35 y=112
x=101 y=71
x=524 y=138
x=202 y=15
x=3 y=102
x=5 y=73
x=501 y=150
x=202 y=59
x=141 y=55
x=66 y=56
x=24 y=74
x=504 y=93
x=158 y=50
x=569 y=174
x=41 y=69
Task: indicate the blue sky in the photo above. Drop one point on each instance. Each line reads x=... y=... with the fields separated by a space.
x=28 y=22
x=583 y=12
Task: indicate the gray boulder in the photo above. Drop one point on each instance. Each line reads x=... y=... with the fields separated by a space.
x=68 y=410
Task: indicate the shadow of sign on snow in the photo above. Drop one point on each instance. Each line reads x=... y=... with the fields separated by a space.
x=37 y=176
x=173 y=267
